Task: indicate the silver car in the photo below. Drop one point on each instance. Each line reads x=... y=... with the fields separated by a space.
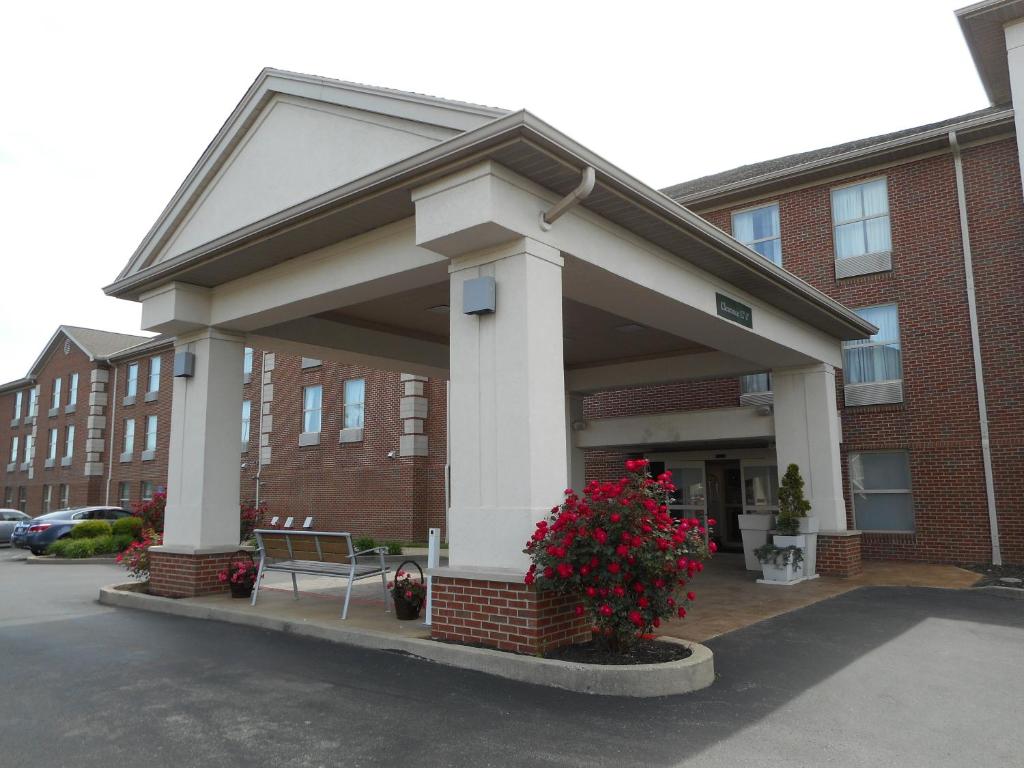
x=8 y=519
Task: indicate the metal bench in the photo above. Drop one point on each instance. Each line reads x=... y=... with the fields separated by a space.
x=318 y=553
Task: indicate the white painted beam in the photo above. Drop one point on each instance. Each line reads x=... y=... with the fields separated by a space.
x=708 y=425
x=660 y=370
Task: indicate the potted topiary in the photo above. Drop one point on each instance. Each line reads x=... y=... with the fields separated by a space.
x=408 y=595
x=787 y=559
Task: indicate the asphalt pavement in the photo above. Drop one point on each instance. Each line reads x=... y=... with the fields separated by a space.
x=876 y=677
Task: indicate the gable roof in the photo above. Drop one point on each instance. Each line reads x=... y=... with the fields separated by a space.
x=829 y=160
x=446 y=114
x=96 y=344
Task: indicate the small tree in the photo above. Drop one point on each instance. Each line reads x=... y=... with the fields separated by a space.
x=619 y=551
x=792 y=504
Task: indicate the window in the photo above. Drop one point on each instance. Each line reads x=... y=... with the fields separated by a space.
x=247 y=361
x=23 y=499
x=759 y=229
x=124 y=495
x=355 y=395
x=47 y=498
x=55 y=396
x=51 y=446
x=246 y=411
x=154 y=374
x=860 y=217
x=64 y=496
x=17 y=405
x=312 y=401
x=882 y=500
x=129 y=435
x=73 y=389
x=30 y=447
x=150 y=433
x=760 y=487
x=133 y=380
x=755 y=383
x=33 y=401
x=8 y=496
x=146 y=490
x=69 y=441
x=875 y=359
x=14 y=449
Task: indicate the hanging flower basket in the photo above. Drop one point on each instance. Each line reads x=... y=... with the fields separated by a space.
x=408 y=595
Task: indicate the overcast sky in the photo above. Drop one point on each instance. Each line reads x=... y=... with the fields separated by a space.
x=106 y=107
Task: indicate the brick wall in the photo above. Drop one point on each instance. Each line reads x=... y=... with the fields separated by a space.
x=839 y=556
x=174 y=575
x=509 y=616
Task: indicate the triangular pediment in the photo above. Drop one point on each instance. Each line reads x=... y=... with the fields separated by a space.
x=292 y=138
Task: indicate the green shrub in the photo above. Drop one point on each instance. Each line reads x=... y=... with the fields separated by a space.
x=122 y=540
x=364 y=542
x=90 y=529
x=104 y=545
x=127 y=525
x=78 y=548
x=394 y=547
x=58 y=547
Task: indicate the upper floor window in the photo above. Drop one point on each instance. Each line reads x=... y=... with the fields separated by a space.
x=73 y=389
x=247 y=361
x=755 y=383
x=132 y=385
x=51 y=447
x=875 y=359
x=55 y=396
x=17 y=404
x=151 y=423
x=759 y=229
x=312 y=403
x=355 y=396
x=860 y=216
x=30 y=447
x=882 y=499
x=154 y=374
x=69 y=441
x=246 y=415
x=14 y=449
x=33 y=401
x=129 y=436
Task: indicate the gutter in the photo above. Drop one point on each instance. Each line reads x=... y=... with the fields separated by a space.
x=979 y=373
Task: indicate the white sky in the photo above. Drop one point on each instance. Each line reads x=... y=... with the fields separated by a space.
x=106 y=107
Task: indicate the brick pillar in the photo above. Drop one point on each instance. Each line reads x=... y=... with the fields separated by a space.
x=507 y=615
x=180 y=575
x=839 y=554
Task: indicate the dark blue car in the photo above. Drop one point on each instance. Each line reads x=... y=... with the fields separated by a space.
x=40 y=532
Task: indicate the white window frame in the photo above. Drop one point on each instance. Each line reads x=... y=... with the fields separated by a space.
x=15 y=446
x=51 y=444
x=246 y=420
x=909 y=490
x=73 y=389
x=752 y=243
x=247 y=355
x=346 y=405
x=33 y=401
x=55 y=394
x=132 y=381
x=153 y=384
x=69 y=441
x=30 y=447
x=870 y=261
x=880 y=391
x=17 y=405
x=146 y=487
x=152 y=424
x=128 y=439
x=319 y=410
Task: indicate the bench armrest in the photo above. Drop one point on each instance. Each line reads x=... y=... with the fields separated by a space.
x=380 y=550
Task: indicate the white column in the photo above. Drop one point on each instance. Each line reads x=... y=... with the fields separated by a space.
x=807 y=433
x=575 y=456
x=1014 y=33
x=203 y=466
x=507 y=414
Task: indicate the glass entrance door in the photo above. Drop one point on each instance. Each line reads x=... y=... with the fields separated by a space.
x=690 y=498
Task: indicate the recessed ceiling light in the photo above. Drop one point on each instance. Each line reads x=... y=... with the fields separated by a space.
x=630 y=328
x=440 y=309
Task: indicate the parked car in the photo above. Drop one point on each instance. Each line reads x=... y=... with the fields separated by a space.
x=40 y=532
x=8 y=519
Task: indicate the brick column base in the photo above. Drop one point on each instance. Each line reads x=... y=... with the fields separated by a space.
x=839 y=554
x=172 y=574
x=506 y=615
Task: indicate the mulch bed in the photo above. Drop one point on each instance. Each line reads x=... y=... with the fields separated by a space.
x=994 y=575
x=644 y=652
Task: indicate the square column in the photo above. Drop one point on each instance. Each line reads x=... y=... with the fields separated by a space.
x=202 y=518
x=508 y=411
x=807 y=433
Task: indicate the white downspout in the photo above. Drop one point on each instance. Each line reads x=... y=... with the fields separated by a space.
x=110 y=445
x=259 y=433
x=979 y=375
x=582 y=191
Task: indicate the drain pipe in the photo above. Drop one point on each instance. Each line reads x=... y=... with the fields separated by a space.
x=979 y=375
x=582 y=191
x=110 y=443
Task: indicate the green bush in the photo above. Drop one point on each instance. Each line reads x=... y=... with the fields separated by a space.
x=122 y=541
x=90 y=529
x=78 y=548
x=58 y=547
x=127 y=525
x=364 y=542
x=394 y=547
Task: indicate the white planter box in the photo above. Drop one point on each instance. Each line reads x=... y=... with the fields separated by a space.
x=779 y=574
x=754 y=530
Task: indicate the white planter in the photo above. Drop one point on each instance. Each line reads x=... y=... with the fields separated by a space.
x=809 y=528
x=779 y=574
x=754 y=530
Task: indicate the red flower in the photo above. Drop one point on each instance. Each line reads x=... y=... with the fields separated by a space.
x=605 y=610
x=615 y=517
x=614 y=567
x=691 y=595
x=682 y=612
x=636 y=618
x=618 y=590
x=578 y=610
x=565 y=570
x=622 y=550
x=712 y=547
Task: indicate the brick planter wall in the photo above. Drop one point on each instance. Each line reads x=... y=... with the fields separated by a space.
x=839 y=555
x=177 y=575
x=506 y=615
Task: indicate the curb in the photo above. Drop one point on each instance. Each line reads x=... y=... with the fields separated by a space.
x=51 y=560
x=1012 y=593
x=639 y=680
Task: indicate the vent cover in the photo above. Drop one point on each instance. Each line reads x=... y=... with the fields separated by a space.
x=874 y=393
x=757 y=398
x=864 y=265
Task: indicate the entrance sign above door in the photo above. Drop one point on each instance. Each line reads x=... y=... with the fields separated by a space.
x=733 y=310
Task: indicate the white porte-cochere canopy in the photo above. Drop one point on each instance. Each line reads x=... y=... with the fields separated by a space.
x=339 y=221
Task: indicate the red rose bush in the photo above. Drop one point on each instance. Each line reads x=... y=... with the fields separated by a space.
x=618 y=548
